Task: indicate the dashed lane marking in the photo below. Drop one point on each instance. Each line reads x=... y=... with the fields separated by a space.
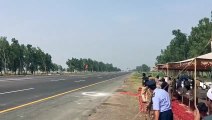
x=16 y=91
x=51 y=97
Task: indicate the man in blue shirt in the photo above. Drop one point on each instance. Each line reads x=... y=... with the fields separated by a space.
x=161 y=102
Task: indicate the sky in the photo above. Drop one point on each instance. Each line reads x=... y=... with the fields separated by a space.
x=126 y=33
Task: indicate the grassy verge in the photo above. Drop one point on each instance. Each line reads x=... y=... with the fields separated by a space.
x=135 y=81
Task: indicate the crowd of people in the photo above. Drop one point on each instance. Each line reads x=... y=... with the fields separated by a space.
x=160 y=98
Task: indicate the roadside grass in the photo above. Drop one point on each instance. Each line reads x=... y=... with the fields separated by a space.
x=154 y=74
x=135 y=81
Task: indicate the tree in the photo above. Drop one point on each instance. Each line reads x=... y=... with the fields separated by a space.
x=15 y=56
x=199 y=37
x=55 y=67
x=60 y=68
x=4 y=52
x=70 y=65
x=177 y=50
x=48 y=62
x=41 y=60
x=181 y=47
x=143 y=68
x=80 y=64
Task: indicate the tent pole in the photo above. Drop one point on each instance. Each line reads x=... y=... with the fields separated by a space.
x=167 y=69
x=195 y=83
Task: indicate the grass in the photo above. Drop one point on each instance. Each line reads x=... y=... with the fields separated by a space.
x=135 y=80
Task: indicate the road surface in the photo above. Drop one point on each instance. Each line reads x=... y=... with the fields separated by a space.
x=55 y=97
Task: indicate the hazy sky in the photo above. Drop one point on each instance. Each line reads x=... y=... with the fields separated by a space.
x=126 y=33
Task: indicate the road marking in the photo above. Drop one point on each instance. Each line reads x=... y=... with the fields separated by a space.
x=100 y=77
x=5 y=81
x=95 y=94
x=16 y=91
x=18 y=79
x=79 y=81
x=14 y=79
x=58 y=80
x=51 y=97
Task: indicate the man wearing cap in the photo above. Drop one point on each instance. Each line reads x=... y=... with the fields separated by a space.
x=160 y=101
x=209 y=105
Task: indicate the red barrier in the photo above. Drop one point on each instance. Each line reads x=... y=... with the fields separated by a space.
x=179 y=111
x=140 y=100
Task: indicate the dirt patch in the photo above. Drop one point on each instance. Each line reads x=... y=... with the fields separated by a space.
x=121 y=90
x=115 y=105
x=120 y=106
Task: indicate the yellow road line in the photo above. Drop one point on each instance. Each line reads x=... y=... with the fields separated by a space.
x=47 y=98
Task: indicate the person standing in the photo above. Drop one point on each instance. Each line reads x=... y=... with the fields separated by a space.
x=161 y=102
x=157 y=80
x=144 y=79
x=144 y=88
x=164 y=85
x=197 y=115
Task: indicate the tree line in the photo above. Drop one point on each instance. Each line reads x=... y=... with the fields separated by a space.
x=184 y=46
x=81 y=64
x=23 y=59
x=143 y=68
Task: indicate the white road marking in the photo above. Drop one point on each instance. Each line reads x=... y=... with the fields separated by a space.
x=77 y=102
x=100 y=77
x=95 y=94
x=58 y=80
x=14 y=79
x=5 y=81
x=18 y=79
x=79 y=81
x=16 y=91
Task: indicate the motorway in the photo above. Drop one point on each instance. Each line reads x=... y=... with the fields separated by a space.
x=20 y=91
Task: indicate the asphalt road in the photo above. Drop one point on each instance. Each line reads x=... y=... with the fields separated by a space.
x=16 y=91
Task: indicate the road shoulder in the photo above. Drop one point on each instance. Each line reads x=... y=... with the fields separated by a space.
x=120 y=106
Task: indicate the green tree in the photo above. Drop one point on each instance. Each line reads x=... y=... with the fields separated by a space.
x=48 y=62
x=143 y=68
x=79 y=65
x=4 y=53
x=15 y=56
x=177 y=50
x=199 y=37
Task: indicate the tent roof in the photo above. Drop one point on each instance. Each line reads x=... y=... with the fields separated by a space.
x=204 y=62
x=207 y=56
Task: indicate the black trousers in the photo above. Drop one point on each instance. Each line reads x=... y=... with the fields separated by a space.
x=166 y=115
